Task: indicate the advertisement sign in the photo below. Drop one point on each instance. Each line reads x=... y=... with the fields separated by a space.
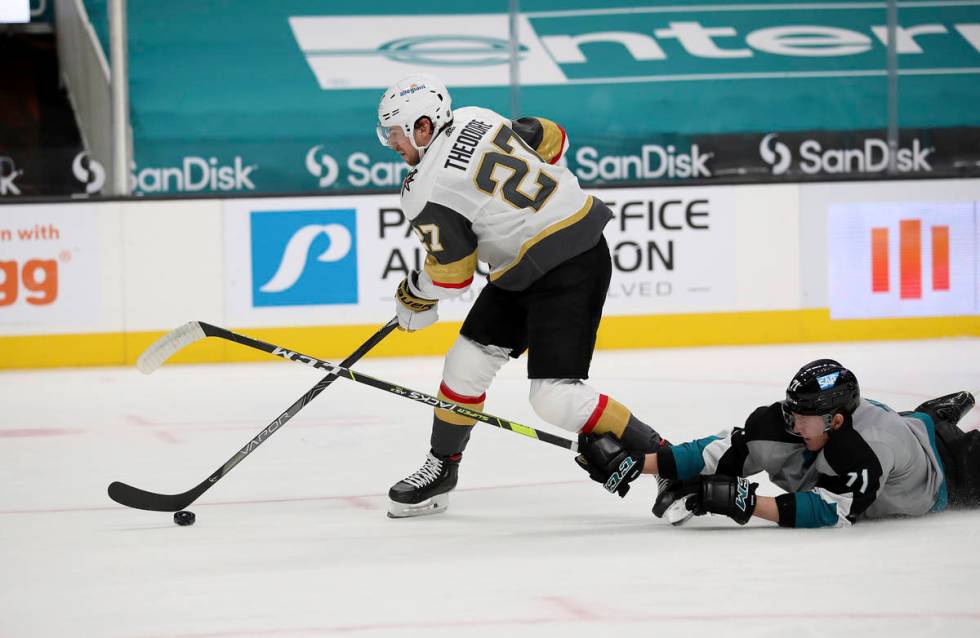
x=49 y=264
x=903 y=259
x=324 y=261
x=12 y=11
x=730 y=41
x=667 y=93
x=673 y=250
x=285 y=271
x=47 y=171
x=348 y=52
x=10 y=174
x=321 y=261
x=306 y=261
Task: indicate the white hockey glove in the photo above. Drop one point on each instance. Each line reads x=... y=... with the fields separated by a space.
x=414 y=312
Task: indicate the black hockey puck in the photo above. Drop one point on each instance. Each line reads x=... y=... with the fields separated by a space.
x=184 y=518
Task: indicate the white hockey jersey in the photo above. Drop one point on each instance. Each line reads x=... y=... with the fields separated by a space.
x=488 y=188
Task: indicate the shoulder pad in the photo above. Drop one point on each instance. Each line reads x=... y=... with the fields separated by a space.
x=467 y=113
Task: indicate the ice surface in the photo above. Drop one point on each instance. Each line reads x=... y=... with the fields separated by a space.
x=295 y=541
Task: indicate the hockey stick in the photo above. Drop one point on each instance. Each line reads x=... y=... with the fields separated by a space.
x=193 y=331
x=165 y=347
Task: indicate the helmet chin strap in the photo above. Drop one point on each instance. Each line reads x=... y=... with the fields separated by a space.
x=420 y=149
x=435 y=134
x=827 y=421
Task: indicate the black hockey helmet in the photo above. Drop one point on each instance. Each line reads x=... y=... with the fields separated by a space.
x=822 y=387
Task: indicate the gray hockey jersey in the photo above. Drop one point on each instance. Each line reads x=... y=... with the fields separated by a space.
x=489 y=189
x=879 y=463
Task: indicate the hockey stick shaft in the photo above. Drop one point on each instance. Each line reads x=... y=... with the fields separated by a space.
x=197 y=330
x=141 y=499
x=387 y=386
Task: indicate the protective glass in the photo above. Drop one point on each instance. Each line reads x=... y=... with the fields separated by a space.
x=789 y=420
x=390 y=135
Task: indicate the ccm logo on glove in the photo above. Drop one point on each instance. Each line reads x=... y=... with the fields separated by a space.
x=617 y=477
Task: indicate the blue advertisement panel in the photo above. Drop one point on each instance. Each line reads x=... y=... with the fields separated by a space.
x=281 y=245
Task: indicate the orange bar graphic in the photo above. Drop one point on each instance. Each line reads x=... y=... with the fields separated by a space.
x=910 y=258
x=940 y=257
x=879 y=260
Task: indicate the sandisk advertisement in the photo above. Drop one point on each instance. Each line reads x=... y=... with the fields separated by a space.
x=49 y=265
x=903 y=259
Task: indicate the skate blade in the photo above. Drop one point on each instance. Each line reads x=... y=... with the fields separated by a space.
x=434 y=505
x=677 y=514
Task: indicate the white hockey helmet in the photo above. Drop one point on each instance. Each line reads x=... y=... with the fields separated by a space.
x=418 y=95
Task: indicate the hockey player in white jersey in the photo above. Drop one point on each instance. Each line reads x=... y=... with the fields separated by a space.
x=486 y=188
x=840 y=458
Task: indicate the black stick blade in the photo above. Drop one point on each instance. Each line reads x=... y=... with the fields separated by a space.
x=142 y=500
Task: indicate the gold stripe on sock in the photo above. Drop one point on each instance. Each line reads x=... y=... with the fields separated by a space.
x=613 y=419
x=457 y=419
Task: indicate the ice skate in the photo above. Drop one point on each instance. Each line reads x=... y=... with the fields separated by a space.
x=677 y=513
x=426 y=491
x=950 y=408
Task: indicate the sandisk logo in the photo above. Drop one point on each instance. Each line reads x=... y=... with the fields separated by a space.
x=89 y=172
x=322 y=165
x=195 y=174
x=8 y=174
x=778 y=156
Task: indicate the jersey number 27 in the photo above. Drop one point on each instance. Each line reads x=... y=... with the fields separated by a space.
x=519 y=168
